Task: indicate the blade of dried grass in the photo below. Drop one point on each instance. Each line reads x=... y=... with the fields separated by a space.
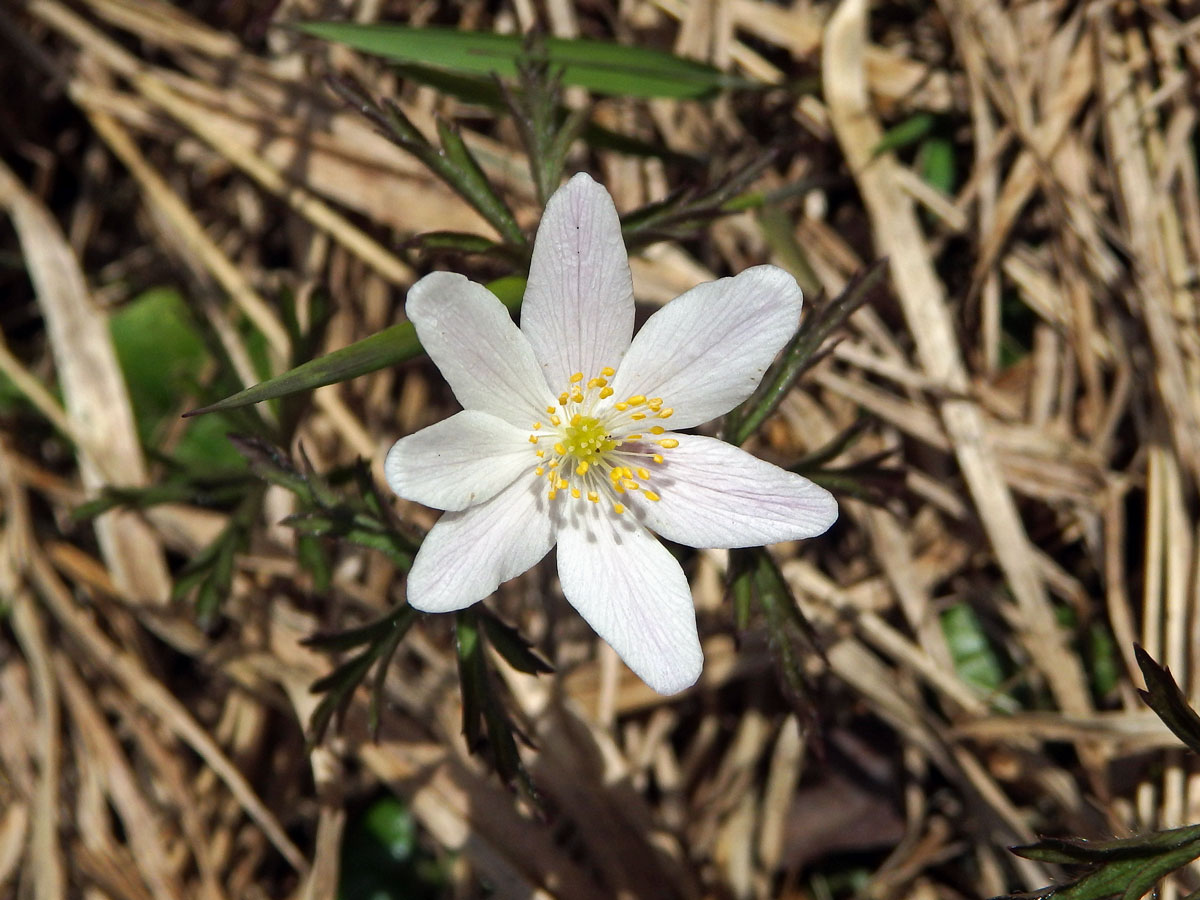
x=154 y=696
x=142 y=826
x=194 y=117
x=187 y=227
x=923 y=300
x=45 y=853
x=97 y=403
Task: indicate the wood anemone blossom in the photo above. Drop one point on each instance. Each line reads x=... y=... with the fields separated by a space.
x=570 y=435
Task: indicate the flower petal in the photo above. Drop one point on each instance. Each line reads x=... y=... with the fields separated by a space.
x=578 y=306
x=632 y=592
x=468 y=554
x=459 y=462
x=713 y=494
x=488 y=362
x=707 y=350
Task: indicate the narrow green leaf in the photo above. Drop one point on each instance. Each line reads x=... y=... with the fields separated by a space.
x=472 y=182
x=389 y=347
x=600 y=66
x=906 y=133
x=402 y=618
x=509 y=643
x=1168 y=701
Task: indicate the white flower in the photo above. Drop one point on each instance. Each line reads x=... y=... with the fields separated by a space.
x=563 y=437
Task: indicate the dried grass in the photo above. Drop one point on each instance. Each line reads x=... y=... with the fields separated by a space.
x=142 y=757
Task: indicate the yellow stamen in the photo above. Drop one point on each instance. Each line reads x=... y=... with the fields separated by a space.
x=533 y=439
x=593 y=496
x=618 y=508
x=539 y=471
x=657 y=429
x=555 y=420
x=657 y=457
x=551 y=409
x=637 y=417
x=560 y=449
x=552 y=494
x=621 y=407
x=643 y=472
x=650 y=495
x=575 y=493
x=582 y=468
x=575 y=420
x=606 y=392
x=608 y=371
x=666 y=413
x=576 y=378
x=669 y=443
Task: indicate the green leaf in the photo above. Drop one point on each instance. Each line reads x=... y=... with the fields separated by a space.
x=600 y=66
x=509 y=643
x=974 y=658
x=1126 y=868
x=938 y=165
x=1168 y=701
x=906 y=133
x=389 y=347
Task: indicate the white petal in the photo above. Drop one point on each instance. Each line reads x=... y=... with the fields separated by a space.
x=633 y=593
x=468 y=554
x=459 y=462
x=707 y=350
x=578 y=306
x=716 y=495
x=467 y=332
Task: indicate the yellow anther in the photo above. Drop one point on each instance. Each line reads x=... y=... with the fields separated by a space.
x=606 y=392
x=582 y=468
x=575 y=419
x=633 y=437
x=657 y=429
x=669 y=443
x=636 y=400
x=560 y=449
x=637 y=417
x=657 y=457
x=597 y=382
x=593 y=496
x=575 y=493
x=551 y=409
x=562 y=484
x=555 y=420
x=630 y=485
x=563 y=398
x=553 y=463
x=621 y=407
x=608 y=371
x=650 y=495
x=537 y=425
x=541 y=454
x=643 y=472
x=533 y=439
x=666 y=413
x=576 y=378
x=552 y=494
x=539 y=471
x=577 y=397
x=618 y=508
x=614 y=475
x=655 y=403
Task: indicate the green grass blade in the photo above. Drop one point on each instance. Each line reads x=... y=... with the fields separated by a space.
x=600 y=66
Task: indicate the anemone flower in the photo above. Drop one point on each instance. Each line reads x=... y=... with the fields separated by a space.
x=570 y=434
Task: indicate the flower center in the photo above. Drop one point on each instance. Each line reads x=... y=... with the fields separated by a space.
x=601 y=447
